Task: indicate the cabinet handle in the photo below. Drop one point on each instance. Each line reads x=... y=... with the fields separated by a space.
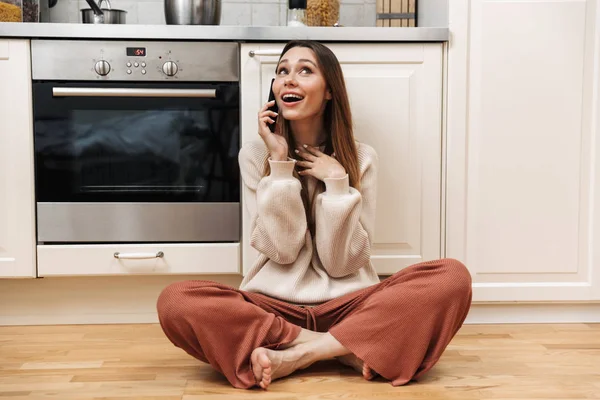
x=138 y=256
x=253 y=53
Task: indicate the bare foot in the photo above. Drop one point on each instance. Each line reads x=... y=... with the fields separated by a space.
x=268 y=365
x=305 y=336
x=362 y=368
x=261 y=367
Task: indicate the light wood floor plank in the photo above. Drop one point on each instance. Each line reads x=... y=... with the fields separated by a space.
x=135 y=362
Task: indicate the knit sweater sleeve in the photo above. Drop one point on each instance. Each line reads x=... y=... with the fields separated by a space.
x=345 y=220
x=278 y=220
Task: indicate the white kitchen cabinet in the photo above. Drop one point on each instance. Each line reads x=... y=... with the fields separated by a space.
x=17 y=203
x=395 y=93
x=523 y=175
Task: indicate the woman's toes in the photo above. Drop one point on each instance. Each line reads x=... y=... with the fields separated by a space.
x=368 y=373
x=261 y=366
x=256 y=368
x=266 y=381
x=265 y=363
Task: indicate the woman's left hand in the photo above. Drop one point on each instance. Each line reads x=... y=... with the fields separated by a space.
x=319 y=164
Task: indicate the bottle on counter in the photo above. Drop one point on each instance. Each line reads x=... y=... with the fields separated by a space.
x=296 y=15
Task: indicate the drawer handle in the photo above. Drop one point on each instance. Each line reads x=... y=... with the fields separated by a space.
x=253 y=53
x=138 y=256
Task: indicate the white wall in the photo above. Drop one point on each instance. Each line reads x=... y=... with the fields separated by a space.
x=432 y=13
x=234 y=12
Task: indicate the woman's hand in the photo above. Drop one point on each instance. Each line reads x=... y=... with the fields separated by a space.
x=319 y=164
x=278 y=147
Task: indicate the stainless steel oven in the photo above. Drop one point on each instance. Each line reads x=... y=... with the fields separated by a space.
x=136 y=141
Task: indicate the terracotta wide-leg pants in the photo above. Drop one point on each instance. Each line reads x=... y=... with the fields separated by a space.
x=399 y=327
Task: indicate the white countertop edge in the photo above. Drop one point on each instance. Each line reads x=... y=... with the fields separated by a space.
x=221 y=32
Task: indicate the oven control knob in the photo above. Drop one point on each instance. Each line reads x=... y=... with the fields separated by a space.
x=170 y=68
x=102 y=67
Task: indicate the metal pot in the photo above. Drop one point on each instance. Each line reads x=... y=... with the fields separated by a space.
x=98 y=15
x=193 y=12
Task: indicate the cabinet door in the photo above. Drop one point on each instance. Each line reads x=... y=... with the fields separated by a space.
x=17 y=239
x=395 y=93
x=523 y=149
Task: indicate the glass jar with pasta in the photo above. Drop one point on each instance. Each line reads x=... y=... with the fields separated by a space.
x=322 y=12
x=11 y=11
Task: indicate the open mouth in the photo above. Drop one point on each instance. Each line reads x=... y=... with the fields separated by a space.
x=292 y=98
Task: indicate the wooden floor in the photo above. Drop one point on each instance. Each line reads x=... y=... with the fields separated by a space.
x=136 y=362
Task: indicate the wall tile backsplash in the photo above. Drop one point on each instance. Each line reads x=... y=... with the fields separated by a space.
x=240 y=12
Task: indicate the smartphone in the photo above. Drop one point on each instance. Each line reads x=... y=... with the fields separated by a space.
x=274 y=106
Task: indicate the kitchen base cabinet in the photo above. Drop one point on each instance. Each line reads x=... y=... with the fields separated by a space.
x=395 y=93
x=17 y=198
x=523 y=171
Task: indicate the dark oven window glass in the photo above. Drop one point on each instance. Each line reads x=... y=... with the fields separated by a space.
x=136 y=149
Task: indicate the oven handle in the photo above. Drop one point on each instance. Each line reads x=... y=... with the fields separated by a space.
x=138 y=256
x=130 y=92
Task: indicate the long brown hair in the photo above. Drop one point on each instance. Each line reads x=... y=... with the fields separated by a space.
x=337 y=119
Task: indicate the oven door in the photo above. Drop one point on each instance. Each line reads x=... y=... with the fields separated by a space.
x=137 y=162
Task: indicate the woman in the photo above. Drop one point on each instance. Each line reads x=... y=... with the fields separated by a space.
x=313 y=294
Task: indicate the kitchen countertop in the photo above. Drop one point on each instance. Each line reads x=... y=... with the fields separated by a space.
x=220 y=33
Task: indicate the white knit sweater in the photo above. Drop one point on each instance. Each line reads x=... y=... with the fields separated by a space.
x=294 y=266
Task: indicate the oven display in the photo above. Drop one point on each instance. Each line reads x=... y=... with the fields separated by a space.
x=136 y=51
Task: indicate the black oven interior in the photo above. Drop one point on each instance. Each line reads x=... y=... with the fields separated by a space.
x=136 y=149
